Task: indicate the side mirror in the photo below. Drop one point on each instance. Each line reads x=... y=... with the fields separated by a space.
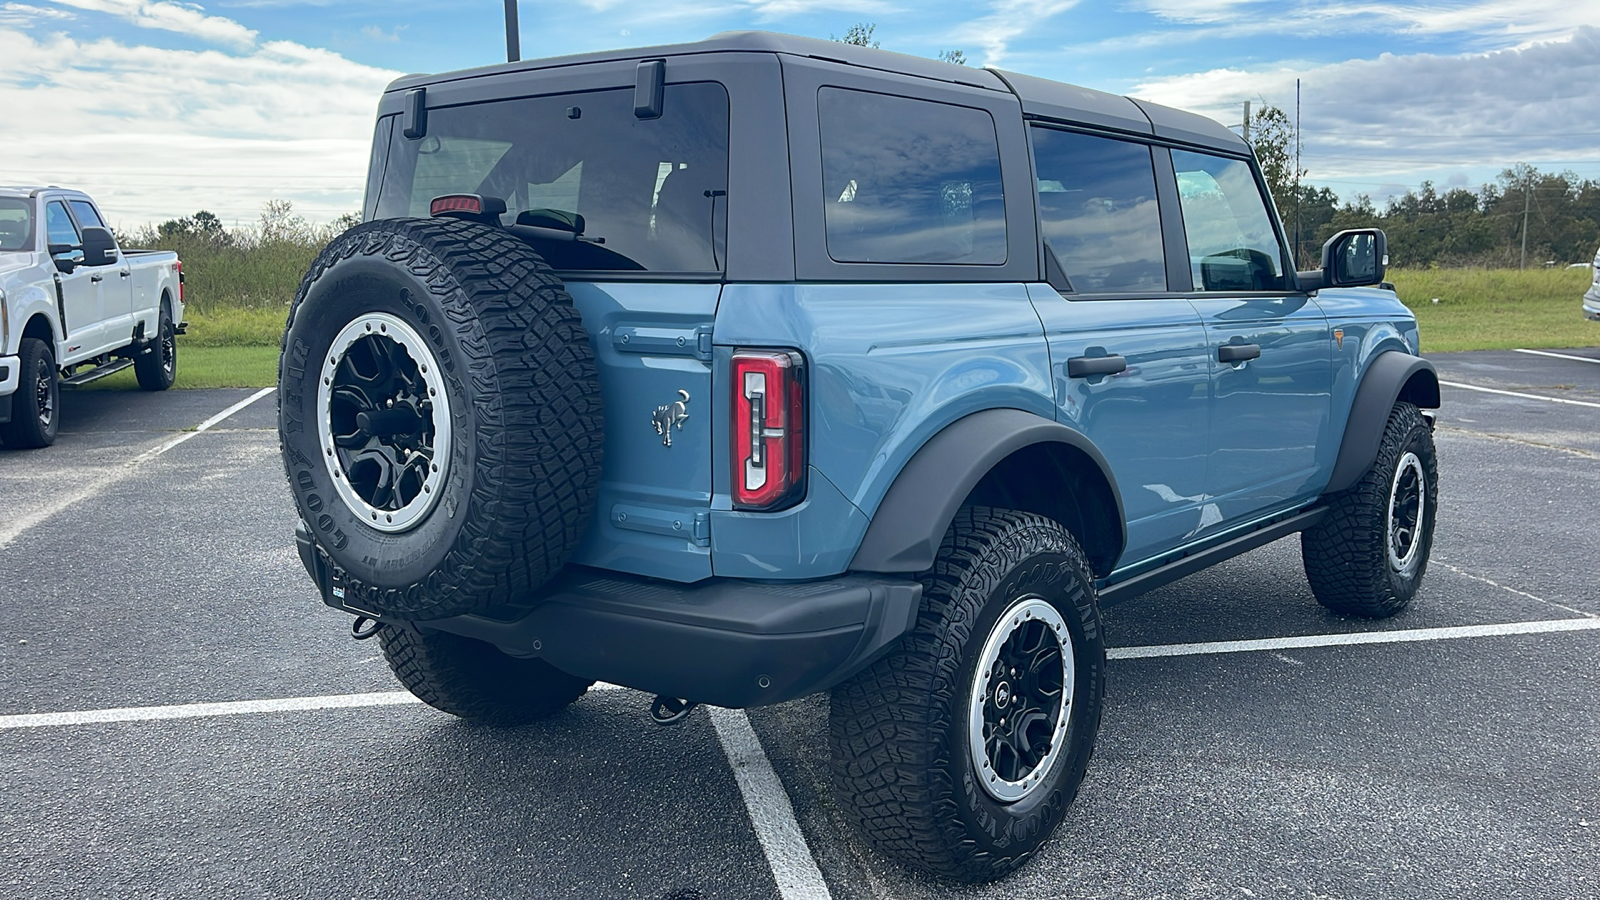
x=66 y=257
x=1353 y=258
x=99 y=247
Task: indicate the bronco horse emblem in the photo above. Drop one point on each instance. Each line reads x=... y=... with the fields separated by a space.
x=670 y=416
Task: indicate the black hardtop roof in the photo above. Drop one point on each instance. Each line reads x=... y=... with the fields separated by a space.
x=1040 y=97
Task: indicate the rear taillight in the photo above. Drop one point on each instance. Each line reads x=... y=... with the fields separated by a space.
x=178 y=267
x=769 y=441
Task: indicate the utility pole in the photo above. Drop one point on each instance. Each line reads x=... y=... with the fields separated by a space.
x=1247 y=121
x=513 y=40
x=1297 y=172
x=1527 y=198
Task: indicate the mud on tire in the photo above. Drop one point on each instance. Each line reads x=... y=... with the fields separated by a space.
x=440 y=416
x=906 y=766
x=1368 y=554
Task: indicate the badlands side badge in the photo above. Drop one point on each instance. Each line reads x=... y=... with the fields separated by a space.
x=671 y=415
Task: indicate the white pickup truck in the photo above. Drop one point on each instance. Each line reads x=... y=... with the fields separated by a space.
x=74 y=307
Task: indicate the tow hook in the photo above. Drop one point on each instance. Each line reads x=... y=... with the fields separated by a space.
x=365 y=627
x=670 y=710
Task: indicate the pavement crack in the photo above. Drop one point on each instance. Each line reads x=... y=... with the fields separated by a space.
x=1575 y=451
x=1489 y=581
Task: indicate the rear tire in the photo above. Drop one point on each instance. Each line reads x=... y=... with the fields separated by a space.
x=36 y=406
x=475 y=680
x=1368 y=554
x=158 y=369
x=960 y=751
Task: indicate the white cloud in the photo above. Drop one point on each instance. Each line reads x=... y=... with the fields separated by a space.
x=1007 y=19
x=183 y=18
x=156 y=133
x=1421 y=113
x=23 y=15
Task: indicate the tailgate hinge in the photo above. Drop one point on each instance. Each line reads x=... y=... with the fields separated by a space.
x=702 y=529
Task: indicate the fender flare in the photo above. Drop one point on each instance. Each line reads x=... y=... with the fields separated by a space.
x=911 y=521
x=1391 y=376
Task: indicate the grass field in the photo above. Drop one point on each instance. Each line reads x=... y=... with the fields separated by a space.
x=233 y=342
x=1497 y=309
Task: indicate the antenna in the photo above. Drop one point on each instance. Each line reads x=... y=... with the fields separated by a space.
x=513 y=42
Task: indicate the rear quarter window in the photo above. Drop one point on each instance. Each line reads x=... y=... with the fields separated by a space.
x=909 y=181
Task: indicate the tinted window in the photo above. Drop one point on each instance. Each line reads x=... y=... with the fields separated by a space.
x=1098 y=210
x=653 y=189
x=1232 y=244
x=16 y=224
x=87 y=217
x=909 y=181
x=59 y=225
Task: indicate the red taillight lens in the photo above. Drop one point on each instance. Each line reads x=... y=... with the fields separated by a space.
x=462 y=203
x=769 y=441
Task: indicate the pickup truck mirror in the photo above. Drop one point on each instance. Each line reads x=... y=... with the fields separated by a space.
x=1351 y=258
x=66 y=257
x=99 y=247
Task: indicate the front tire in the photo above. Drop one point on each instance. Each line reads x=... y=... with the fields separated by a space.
x=961 y=750
x=474 y=680
x=36 y=406
x=1368 y=554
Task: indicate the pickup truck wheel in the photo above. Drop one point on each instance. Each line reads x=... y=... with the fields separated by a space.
x=36 y=406
x=960 y=751
x=474 y=680
x=440 y=416
x=158 y=369
x=1368 y=554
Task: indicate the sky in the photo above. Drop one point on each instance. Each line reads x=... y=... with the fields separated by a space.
x=159 y=109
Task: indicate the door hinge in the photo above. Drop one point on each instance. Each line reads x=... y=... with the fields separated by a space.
x=702 y=528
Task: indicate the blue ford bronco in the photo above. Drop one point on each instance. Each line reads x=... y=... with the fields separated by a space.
x=747 y=369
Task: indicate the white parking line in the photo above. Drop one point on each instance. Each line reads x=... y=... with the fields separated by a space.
x=201 y=710
x=1410 y=635
x=1560 y=356
x=14 y=528
x=1473 y=387
x=771 y=812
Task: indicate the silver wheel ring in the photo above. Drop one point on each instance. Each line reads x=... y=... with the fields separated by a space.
x=1024 y=610
x=1397 y=561
x=396 y=330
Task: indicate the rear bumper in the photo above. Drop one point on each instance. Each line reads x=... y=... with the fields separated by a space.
x=725 y=642
x=1591 y=302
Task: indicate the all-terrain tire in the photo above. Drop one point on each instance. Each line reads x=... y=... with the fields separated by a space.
x=453 y=371
x=158 y=369
x=474 y=680
x=904 y=767
x=36 y=406
x=1368 y=554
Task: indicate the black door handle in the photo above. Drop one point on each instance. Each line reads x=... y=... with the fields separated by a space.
x=127 y=274
x=95 y=279
x=1238 y=352
x=1084 y=366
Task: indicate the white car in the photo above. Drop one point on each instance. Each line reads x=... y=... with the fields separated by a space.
x=74 y=307
x=1591 y=300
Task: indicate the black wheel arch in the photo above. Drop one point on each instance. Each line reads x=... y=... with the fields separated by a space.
x=998 y=457
x=1392 y=376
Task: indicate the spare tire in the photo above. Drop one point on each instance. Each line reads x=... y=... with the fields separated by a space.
x=439 y=416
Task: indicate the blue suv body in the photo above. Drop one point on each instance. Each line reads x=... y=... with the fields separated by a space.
x=852 y=316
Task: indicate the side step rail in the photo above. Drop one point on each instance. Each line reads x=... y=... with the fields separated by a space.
x=97 y=373
x=1187 y=565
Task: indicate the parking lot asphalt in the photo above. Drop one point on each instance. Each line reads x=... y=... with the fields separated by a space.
x=139 y=571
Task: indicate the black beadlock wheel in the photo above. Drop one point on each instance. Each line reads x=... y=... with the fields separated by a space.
x=36 y=406
x=158 y=369
x=960 y=751
x=1368 y=554
x=439 y=414
x=474 y=680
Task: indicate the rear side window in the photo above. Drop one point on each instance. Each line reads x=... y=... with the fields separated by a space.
x=909 y=181
x=87 y=217
x=1098 y=210
x=652 y=192
x=59 y=224
x=1232 y=244
x=16 y=224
